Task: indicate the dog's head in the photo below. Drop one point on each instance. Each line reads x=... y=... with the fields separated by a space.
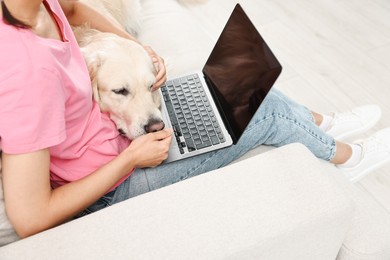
x=122 y=74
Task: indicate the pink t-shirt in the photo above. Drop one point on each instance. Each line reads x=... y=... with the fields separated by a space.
x=46 y=102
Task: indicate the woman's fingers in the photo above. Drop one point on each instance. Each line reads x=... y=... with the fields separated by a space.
x=159 y=64
x=151 y=149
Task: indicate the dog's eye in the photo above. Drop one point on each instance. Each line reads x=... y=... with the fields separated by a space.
x=121 y=91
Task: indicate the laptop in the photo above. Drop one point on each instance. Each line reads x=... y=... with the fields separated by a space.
x=210 y=109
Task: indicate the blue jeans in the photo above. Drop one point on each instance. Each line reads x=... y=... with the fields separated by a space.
x=278 y=121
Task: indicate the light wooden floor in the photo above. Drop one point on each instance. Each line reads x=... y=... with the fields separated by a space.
x=335 y=54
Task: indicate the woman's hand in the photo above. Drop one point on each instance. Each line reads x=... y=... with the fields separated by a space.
x=151 y=149
x=159 y=64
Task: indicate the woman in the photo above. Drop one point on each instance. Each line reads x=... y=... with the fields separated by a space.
x=62 y=158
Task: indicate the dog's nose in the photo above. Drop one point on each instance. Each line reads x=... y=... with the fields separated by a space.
x=154 y=125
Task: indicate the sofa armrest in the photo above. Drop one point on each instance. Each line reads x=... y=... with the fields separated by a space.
x=276 y=205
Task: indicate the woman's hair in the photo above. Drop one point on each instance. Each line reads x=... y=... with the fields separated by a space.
x=9 y=19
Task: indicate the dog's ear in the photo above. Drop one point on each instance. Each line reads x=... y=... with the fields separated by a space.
x=93 y=67
x=93 y=61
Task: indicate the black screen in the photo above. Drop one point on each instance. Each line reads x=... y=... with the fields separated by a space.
x=240 y=72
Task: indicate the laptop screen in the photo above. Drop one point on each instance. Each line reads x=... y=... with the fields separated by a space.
x=240 y=72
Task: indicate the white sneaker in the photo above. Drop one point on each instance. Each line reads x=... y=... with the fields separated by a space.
x=376 y=152
x=354 y=122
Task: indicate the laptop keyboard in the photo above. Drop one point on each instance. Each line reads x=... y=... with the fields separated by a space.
x=193 y=120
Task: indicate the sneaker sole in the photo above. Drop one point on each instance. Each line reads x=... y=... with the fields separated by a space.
x=368 y=170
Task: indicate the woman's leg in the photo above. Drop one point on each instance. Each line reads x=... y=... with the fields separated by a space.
x=318 y=118
x=279 y=121
x=343 y=153
x=343 y=150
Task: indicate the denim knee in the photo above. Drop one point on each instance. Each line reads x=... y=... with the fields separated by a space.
x=283 y=121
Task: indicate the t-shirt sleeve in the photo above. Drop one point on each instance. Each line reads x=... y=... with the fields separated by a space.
x=32 y=111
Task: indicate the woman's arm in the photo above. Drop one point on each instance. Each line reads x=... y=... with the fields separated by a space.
x=78 y=13
x=32 y=206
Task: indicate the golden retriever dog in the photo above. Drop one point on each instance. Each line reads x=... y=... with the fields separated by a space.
x=122 y=74
x=121 y=70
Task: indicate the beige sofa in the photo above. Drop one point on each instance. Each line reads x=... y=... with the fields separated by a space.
x=281 y=204
x=273 y=204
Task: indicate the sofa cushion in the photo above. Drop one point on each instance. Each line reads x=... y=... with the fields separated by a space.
x=368 y=237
